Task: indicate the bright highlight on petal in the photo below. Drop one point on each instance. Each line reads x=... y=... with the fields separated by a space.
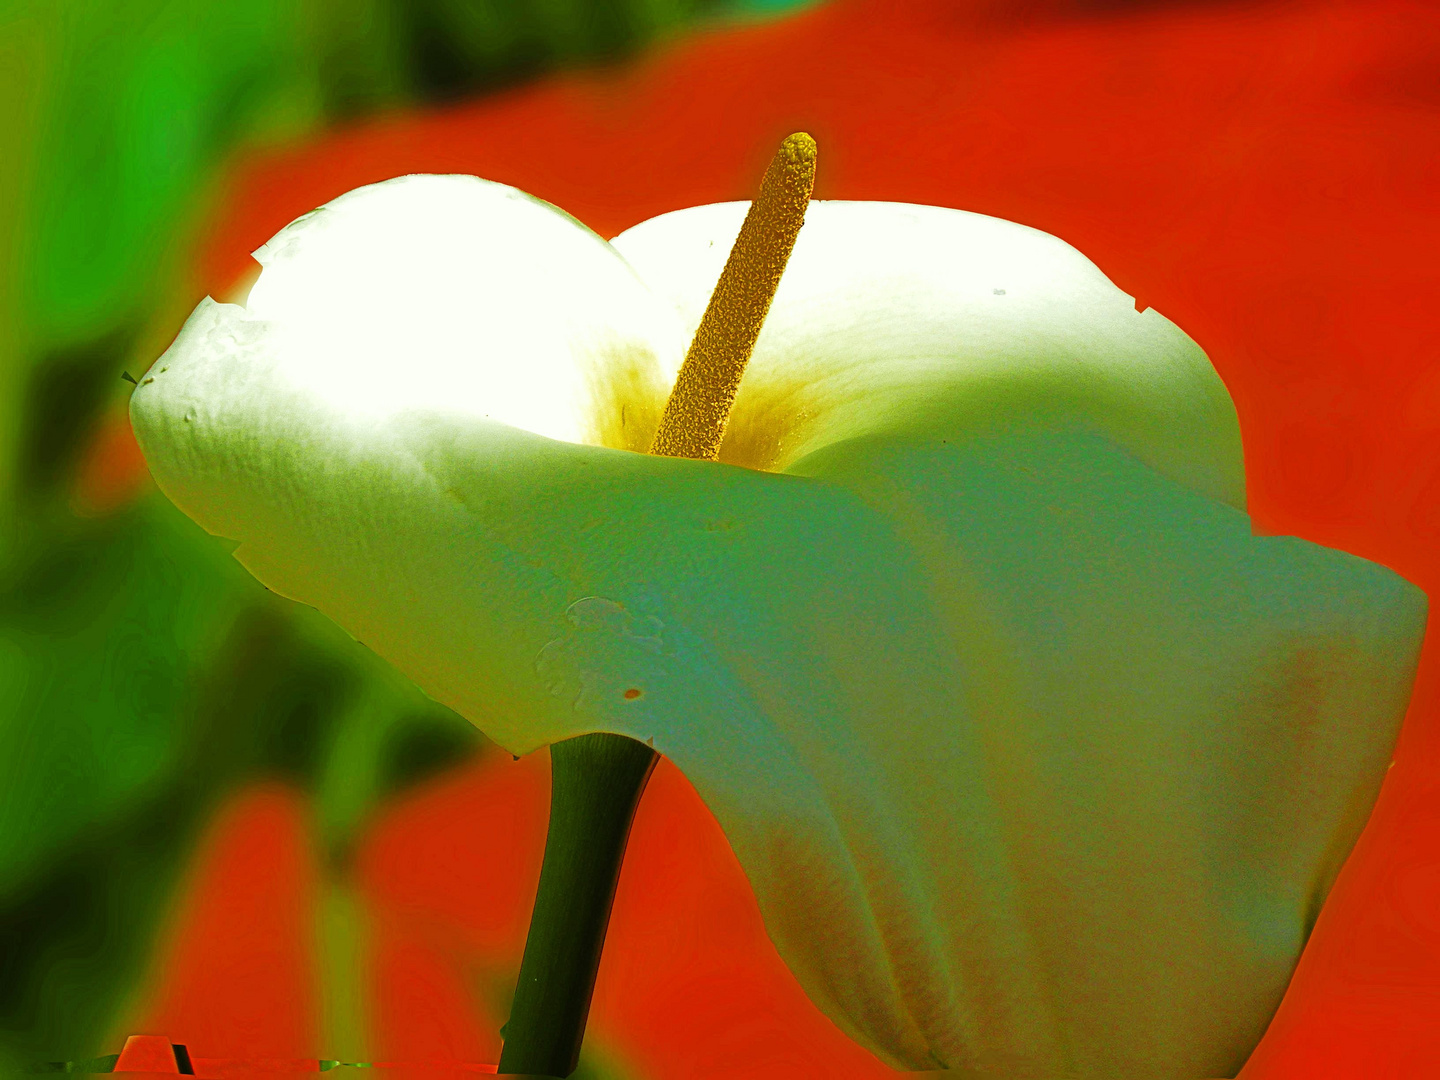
x=1039 y=761
x=453 y=294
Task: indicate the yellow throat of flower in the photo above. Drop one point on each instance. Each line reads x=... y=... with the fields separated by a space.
x=693 y=424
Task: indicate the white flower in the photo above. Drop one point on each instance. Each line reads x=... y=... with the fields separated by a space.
x=1039 y=762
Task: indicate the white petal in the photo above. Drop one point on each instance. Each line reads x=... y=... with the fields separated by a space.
x=894 y=317
x=424 y=296
x=454 y=294
x=1039 y=762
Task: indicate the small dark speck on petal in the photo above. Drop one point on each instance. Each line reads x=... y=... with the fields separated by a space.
x=148 y=381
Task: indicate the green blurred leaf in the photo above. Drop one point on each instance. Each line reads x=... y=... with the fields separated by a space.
x=143 y=675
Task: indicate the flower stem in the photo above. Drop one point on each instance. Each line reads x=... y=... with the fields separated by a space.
x=596 y=783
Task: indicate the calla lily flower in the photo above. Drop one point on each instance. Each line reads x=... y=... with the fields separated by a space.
x=1039 y=761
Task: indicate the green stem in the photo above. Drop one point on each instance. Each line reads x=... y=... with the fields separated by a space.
x=595 y=784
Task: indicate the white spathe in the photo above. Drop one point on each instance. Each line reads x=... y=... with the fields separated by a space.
x=892 y=317
x=1039 y=762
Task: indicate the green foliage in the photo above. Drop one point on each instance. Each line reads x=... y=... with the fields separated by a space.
x=143 y=676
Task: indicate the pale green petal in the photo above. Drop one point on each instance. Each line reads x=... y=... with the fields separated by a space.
x=1039 y=762
x=895 y=317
